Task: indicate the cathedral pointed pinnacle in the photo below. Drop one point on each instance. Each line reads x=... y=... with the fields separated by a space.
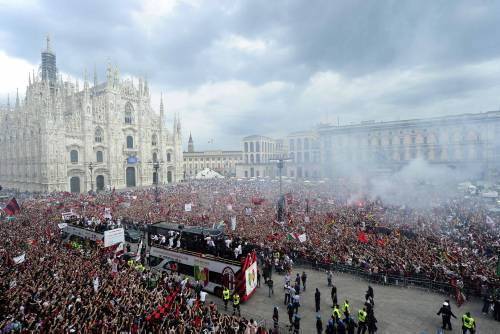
x=161 y=104
x=34 y=78
x=85 y=80
x=8 y=101
x=17 y=98
x=48 y=43
x=95 y=76
x=29 y=78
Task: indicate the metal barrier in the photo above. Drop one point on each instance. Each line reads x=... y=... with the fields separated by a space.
x=402 y=281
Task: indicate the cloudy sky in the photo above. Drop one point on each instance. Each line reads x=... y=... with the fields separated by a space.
x=235 y=68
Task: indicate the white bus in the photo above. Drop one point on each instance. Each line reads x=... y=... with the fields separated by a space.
x=214 y=269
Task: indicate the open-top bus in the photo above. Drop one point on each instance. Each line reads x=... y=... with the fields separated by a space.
x=216 y=268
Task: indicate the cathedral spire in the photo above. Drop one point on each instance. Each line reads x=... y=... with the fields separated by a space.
x=8 y=101
x=17 y=98
x=190 y=143
x=161 y=103
x=85 y=80
x=95 y=76
x=29 y=78
x=48 y=43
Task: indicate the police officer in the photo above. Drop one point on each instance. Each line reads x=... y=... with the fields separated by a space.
x=319 y=324
x=350 y=325
x=334 y=295
x=446 y=314
x=304 y=279
x=362 y=321
x=236 y=304
x=317 y=298
x=336 y=312
x=468 y=324
x=290 y=310
x=346 y=308
x=226 y=295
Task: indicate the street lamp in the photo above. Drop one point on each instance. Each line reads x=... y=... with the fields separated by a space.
x=156 y=165
x=280 y=163
x=91 y=168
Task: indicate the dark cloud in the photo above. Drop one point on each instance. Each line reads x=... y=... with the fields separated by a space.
x=188 y=47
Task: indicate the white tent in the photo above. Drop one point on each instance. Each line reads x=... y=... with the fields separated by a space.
x=208 y=174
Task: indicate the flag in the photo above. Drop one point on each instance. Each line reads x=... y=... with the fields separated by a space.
x=381 y=242
x=96 y=284
x=233 y=223
x=292 y=236
x=12 y=207
x=331 y=223
x=302 y=237
x=257 y=200
x=489 y=221
x=362 y=237
x=138 y=256
x=229 y=207
x=187 y=207
x=20 y=259
x=107 y=213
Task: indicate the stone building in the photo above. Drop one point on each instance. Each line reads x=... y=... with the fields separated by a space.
x=257 y=153
x=467 y=141
x=223 y=162
x=63 y=137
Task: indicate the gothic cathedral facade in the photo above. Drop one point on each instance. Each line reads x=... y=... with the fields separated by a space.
x=104 y=136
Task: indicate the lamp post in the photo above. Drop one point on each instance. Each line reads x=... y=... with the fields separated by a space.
x=156 y=166
x=280 y=163
x=91 y=168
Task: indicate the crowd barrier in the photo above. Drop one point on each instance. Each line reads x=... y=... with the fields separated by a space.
x=394 y=280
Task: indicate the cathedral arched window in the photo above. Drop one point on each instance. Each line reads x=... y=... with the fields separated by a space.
x=169 y=157
x=155 y=157
x=98 y=135
x=130 y=142
x=99 y=156
x=73 y=155
x=154 y=140
x=129 y=113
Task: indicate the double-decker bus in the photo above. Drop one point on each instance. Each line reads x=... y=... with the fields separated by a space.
x=189 y=254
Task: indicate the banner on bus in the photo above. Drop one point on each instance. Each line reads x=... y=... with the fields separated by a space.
x=114 y=237
x=187 y=207
x=251 y=278
x=62 y=225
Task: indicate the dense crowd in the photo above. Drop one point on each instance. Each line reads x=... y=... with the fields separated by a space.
x=54 y=290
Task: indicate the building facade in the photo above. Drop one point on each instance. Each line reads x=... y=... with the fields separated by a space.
x=304 y=152
x=223 y=162
x=63 y=138
x=468 y=141
x=257 y=153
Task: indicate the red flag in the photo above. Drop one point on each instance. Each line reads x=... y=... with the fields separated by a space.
x=257 y=200
x=12 y=207
x=381 y=242
x=362 y=237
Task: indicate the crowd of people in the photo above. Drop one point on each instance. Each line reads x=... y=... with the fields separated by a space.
x=51 y=290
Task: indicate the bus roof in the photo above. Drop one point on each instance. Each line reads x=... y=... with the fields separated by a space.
x=188 y=229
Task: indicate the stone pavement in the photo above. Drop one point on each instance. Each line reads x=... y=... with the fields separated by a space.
x=398 y=310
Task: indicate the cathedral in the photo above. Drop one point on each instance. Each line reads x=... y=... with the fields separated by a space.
x=63 y=137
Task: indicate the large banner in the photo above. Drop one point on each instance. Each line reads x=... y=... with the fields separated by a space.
x=114 y=237
x=251 y=278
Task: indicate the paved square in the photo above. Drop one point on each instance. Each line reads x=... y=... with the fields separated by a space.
x=398 y=310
